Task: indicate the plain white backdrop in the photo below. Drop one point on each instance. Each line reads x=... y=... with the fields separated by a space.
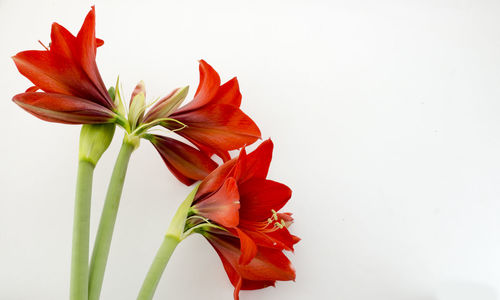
x=385 y=117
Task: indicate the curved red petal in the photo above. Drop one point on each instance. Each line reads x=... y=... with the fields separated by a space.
x=229 y=93
x=280 y=239
x=259 y=196
x=221 y=206
x=87 y=47
x=248 y=247
x=234 y=278
x=48 y=74
x=185 y=162
x=241 y=283
x=207 y=88
x=268 y=264
x=258 y=161
x=214 y=180
x=219 y=127
x=287 y=218
x=63 y=109
x=63 y=43
x=209 y=151
x=99 y=42
x=32 y=89
x=248 y=284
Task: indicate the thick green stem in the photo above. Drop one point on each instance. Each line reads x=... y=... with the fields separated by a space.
x=81 y=227
x=107 y=222
x=174 y=236
x=157 y=267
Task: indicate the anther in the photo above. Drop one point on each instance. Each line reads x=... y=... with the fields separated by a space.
x=275 y=214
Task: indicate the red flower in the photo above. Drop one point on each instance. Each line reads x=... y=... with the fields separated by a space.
x=238 y=197
x=213 y=123
x=73 y=91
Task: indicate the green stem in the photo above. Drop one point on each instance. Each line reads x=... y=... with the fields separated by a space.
x=157 y=267
x=81 y=228
x=107 y=222
x=175 y=234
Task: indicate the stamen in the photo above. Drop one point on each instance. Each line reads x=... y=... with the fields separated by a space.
x=278 y=225
x=43 y=45
x=275 y=214
x=283 y=223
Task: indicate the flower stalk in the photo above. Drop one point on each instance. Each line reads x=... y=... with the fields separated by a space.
x=174 y=235
x=94 y=140
x=104 y=236
x=81 y=225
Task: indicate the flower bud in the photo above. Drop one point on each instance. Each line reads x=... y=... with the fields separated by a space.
x=94 y=140
x=167 y=105
x=137 y=104
x=114 y=92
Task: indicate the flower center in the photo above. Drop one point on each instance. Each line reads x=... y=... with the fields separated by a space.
x=273 y=223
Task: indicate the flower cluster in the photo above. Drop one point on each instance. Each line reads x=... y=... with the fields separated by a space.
x=236 y=208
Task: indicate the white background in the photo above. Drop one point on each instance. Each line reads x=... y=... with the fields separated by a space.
x=385 y=117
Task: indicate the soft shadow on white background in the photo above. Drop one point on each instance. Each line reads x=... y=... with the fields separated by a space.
x=386 y=121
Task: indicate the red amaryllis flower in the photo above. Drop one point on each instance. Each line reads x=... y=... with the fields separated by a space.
x=251 y=235
x=73 y=91
x=213 y=122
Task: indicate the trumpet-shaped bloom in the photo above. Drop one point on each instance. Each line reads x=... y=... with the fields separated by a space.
x=251 y=234
x=66 y=73
x=212 y=122
x=215 y=122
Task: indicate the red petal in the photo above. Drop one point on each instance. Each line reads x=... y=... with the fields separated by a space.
x=63 y=109
x=280 y=239
x=258 y=162
x=87 y=47
x=241 y=283
x=256 y=284
x=209 y=151
x=259 y=196
x=207 y=89
x=32 y=89
x=51 y=74
x=287 y=217
x=219 y=127
x=185 y=162
x=268 y=264
x=247 y=246
x=214 y=180
x=235 y=279
x=221 y=206
x=63 y=42
x=99 y=42
x=229 y=93
x=237 y=288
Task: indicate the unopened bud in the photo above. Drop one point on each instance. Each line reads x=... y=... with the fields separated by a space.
x=94 y=140
x=167 y=105
x=137 y=105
